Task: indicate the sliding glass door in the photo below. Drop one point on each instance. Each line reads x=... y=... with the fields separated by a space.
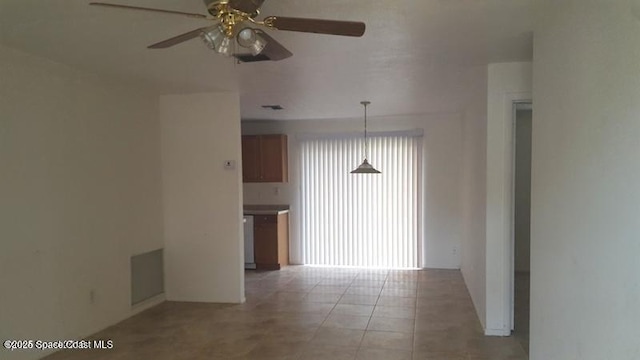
x=365 y=219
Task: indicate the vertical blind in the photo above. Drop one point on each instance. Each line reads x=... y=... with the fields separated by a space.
x=368 y=220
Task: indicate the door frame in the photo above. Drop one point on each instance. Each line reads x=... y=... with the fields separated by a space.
x=511 y=171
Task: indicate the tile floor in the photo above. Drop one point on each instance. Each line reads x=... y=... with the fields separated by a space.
x=306 y=313
x=521 y=310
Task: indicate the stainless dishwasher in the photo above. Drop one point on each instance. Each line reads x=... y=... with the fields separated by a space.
x=249 y=258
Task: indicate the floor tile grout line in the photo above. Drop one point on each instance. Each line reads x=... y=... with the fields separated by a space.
x=369 y=321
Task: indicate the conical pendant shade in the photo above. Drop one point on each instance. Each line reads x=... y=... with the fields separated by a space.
x=365 y=167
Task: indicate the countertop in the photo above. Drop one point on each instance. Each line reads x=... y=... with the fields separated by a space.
x=265 y=209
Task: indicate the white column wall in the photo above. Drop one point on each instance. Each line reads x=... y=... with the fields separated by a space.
x=202 y=200
x=473 y=195
x=585 y=228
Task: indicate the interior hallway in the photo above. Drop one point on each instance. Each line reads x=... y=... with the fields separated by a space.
x=522 y=308
x=306 y=313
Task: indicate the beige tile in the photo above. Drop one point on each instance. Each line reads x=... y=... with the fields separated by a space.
x=398 y=292
x=308 y=320
x=362 y=290
x=328 y=352
x=411 y=285
x=421 y=355
x=372 y=276
x=343 y=281
x=229 y=349
x=387 y=340
x=324 y=298
x=351 y=309
x=368 y=283
x=301 y=287
x=394 y=312
x=306 y=307
x=358 y=299
x=380 y=323
x=275 y=351
x=346 y=321
x=397 y=301
x=338 y=337
x=289 y=334
x=329 y=289
x=301 y=313
x=403 y=275
x=383 y=354
x=287 y=296
x=493 y=347
x=449 y=340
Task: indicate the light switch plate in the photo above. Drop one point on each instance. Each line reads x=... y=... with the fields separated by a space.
x=229 y=164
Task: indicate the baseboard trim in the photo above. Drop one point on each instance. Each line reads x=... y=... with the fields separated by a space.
x=497 y=332
x=148 y=303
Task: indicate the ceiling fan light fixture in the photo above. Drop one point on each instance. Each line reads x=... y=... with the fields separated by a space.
x=246 y=37
x=249 y=38
x=212 y=36
x=258 y=46
x=216 y=40
x=224 y=47
x=233 y=15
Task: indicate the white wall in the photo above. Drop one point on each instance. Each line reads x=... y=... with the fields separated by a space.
x=473 y=196
x=585 y=287
x=202 y=200
x=507 y=82
x=442 y=152
x=80 y=192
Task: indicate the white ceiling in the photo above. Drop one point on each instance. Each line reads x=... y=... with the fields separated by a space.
x=417 y=56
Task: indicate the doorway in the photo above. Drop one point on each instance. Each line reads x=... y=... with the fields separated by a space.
x=522 y=131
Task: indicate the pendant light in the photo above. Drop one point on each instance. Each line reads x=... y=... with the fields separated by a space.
x=365 y=167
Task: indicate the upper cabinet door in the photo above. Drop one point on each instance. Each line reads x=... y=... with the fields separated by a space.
x=250 y=159
x=265 y=158
x=274 y=158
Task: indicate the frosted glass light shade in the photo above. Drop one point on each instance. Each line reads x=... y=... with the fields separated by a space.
x=217 y=41
x=212 y=37
x=225 y=47
x=248 y=38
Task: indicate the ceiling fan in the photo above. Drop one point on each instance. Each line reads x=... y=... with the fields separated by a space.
x=233 y=20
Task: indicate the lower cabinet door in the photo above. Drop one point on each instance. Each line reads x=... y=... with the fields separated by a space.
x=265 y=238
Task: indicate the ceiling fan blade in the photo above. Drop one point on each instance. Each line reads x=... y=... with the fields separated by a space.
x=193 y=15
x=273 y=50
x=318 y=26
x=246 y=6
x=177 y=39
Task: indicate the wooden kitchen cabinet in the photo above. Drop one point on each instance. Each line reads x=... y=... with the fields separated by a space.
x=271 y=241
x=250 y=158
x=265 y=158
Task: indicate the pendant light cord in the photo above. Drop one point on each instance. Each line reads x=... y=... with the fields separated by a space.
x=366 y=145
x=366 y=142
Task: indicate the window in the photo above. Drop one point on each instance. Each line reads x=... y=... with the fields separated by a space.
x=366 y=220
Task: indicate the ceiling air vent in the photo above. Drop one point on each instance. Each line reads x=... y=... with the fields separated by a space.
x=272 y=107
x=246 y=58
